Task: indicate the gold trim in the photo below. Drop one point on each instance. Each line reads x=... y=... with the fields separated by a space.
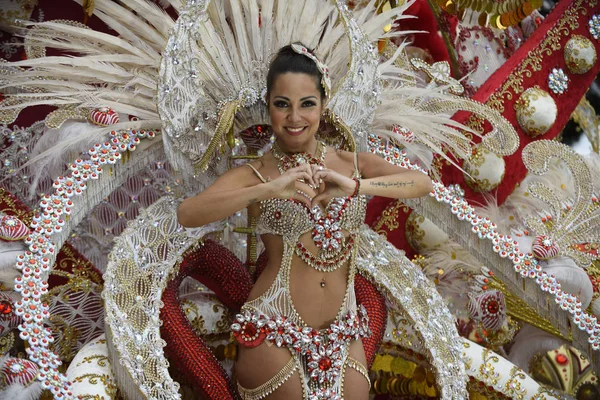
x=225 y=122
x=347 y=143
x=389 y=217
x=26 y=216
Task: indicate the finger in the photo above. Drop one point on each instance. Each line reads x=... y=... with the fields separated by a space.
x=322 y=175
x=316 y=168
x=304 y=175
x=303 y=199
x=322 y=186
x=308 y=178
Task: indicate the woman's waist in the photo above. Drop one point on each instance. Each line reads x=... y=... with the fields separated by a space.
x=272 y=278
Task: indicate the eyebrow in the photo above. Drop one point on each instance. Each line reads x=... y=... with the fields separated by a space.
x=302 y=99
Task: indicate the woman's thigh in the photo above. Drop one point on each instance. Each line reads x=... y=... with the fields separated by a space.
x=356 y=386
x=255 y=366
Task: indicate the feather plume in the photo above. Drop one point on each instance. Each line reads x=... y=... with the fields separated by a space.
x=496 y=213
x=20 y=392
x=48 y=160
x=450 y=266
x=572 y=278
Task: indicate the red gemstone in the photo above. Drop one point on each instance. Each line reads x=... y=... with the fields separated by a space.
x=250 y=329
x=562 y=359
x=324 y=364
x=493 y=307
x=5 y=307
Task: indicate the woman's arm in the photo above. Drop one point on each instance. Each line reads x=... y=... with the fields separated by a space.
x=379 y=178
x=235 y=190
x=231 y=192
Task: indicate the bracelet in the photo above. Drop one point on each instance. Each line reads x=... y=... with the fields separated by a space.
x=356 y=188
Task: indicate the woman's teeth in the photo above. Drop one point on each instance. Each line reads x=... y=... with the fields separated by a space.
x=295 y=129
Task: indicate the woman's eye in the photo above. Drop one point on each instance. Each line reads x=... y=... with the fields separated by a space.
x=280 y=104
x=309 y=104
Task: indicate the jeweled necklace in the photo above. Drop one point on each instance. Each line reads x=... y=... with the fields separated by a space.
x=285 y=161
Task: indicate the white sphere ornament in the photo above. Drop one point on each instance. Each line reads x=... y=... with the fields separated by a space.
x=422 y=234
x=536 y=111
x=580 y=54
x=484 y=170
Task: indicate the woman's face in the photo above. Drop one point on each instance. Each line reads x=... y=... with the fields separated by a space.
x=295 y=108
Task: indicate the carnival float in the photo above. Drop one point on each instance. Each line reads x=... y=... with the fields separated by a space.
x=112 y=112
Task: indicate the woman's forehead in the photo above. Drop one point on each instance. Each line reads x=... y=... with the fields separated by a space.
x=295 y=83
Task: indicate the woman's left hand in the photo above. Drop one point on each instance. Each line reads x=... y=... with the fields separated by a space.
x=333 y=184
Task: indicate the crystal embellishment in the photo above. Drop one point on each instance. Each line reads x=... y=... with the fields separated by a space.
x=558 y=81
x=594 y=26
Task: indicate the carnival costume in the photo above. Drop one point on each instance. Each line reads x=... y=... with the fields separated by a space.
x=320 y=356
x=198 y=83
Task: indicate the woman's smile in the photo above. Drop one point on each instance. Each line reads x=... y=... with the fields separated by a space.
x=295 y=131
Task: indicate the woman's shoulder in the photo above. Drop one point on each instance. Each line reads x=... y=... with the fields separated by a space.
x=343 y=155
x=359 y=158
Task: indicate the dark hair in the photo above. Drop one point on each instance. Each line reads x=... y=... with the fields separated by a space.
x=287 y=60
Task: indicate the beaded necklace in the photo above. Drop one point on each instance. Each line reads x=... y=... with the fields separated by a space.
x=285 y=161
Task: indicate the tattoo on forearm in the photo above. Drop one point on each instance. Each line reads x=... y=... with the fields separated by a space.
x=252 y=201
x=393 y=184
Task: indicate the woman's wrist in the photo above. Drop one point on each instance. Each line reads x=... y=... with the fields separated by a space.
x=266 y=191
x=356 y=187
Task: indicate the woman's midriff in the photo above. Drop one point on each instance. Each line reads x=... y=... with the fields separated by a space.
x=317 y=296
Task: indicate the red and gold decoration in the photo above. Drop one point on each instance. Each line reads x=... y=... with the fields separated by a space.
x=488 y=308
x=545 y=66
x=529 y=68
x=18 y=371
x=499 y=14
x=566 y=369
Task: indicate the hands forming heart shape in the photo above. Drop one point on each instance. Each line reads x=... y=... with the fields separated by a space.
x=326 y=182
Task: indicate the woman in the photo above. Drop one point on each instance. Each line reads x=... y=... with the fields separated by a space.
x=310 y=201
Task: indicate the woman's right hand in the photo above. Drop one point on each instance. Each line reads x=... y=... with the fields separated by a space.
x=286 y=186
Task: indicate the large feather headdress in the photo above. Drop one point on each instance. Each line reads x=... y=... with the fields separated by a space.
x=213 y=80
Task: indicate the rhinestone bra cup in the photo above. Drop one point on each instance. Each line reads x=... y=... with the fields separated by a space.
x=291 y=218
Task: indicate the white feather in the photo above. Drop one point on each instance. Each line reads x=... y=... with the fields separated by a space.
x=494 y=212
x=572 y=278
x=20 y=392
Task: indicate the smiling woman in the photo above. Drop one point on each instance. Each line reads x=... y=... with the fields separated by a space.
x=310 y=201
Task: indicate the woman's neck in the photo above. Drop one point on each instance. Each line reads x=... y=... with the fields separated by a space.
x=310 y=148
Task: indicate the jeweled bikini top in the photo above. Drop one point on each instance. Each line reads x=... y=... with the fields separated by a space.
x=291 y=218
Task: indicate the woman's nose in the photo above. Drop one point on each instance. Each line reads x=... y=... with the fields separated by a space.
x=294 y=114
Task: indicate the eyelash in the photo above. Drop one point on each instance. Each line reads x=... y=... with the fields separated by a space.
x=283 y=104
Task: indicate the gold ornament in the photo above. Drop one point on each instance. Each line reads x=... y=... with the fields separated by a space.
x=484 y=170
x=536 y=111
x=422 y=234
x=580 y=54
